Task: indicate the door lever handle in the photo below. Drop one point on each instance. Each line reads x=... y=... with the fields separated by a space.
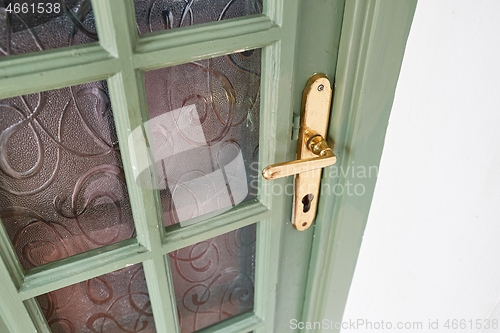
x=316 y=144
x=313 y=152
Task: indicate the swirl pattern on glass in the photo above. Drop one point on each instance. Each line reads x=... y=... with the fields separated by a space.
x=62 y=186
x=215 y=105
x=114 y=302
x=37 y=29
x=156 y=15
x=214 y=279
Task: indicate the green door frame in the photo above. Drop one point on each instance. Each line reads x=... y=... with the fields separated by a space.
x=372 y=41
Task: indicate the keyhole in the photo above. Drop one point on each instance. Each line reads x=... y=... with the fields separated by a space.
x=306 y=200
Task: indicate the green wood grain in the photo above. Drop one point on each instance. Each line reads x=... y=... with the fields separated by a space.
x=372 y=45
x=207 y=49
x=373 y=37
x=3 y=325
x=242 y=323
x=52 y=69
x=244 y=214
x=81 y=267
x=212 y=32
x=9 y=257
x=118 y=57
x=67 y=57
x=275 y=146
x=117 y=30
x=37 y=316
x=321 y=19
x=12 y=310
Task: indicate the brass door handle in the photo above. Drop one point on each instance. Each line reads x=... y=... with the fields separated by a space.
x=313 y=152
x=315 y=143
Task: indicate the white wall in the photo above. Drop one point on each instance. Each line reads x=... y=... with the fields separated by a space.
x=431 y=249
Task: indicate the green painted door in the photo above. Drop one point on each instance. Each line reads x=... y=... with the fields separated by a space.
x=102 y=233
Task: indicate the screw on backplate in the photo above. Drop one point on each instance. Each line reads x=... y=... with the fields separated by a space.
x=321 y=87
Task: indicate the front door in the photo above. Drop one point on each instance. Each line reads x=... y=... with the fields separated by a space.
x=133 y=135
x=132 y=138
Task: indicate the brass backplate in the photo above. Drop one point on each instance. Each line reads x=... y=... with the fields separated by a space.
x=316 y=101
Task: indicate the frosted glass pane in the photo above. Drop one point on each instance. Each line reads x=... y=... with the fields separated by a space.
x=214 y=279
x=112 y=303
x=62 y=186
x=31 y=25
x=204 y=131
x=155 y=15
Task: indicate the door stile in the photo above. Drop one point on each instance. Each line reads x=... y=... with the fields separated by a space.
x=37 y=316
x=321 y=19
x=12 y=310
x=374 y=35
x=9 y=258
x=276 y=130
x=3 y=326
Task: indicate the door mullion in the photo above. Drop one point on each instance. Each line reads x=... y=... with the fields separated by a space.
x=117 y=33
x=124 y=93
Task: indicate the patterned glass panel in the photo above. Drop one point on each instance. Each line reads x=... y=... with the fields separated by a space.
x=204 y=129
x=111 y=303
x=32 y=25
x=155 y=15
x=214 y=279
x=62 y=187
